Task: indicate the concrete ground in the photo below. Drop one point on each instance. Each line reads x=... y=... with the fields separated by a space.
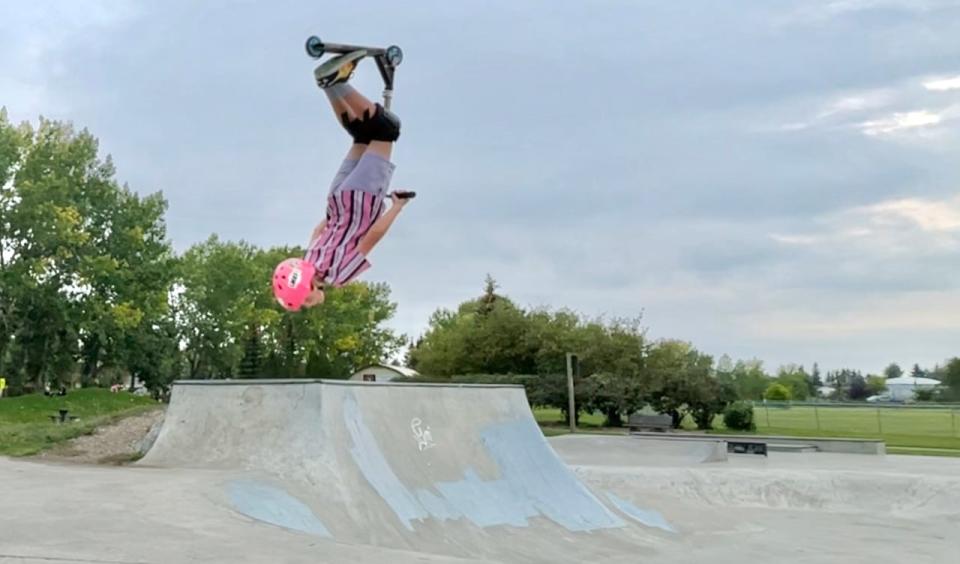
x=792 y=508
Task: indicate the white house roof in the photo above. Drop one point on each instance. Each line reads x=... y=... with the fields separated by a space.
x=911 y=381
x=401 y=370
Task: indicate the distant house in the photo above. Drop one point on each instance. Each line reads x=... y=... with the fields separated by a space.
x=825 y=391
x=383 y=373
x=902 y=388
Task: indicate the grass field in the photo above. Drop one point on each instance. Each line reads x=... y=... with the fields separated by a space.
x=913 y=427
x=908 y=430
x=551 y=422
x=26 y=428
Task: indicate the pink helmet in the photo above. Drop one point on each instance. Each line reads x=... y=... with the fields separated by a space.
x=292 y=282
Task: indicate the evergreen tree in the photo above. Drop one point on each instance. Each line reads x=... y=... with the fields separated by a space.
x=815 y=381
x=250 y=364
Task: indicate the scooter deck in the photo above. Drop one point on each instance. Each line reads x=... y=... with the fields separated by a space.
x=316 y=48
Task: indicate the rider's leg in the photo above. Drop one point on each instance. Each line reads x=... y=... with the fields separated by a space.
x=368 y=123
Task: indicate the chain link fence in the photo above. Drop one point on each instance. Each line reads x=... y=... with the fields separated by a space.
x=934 y=425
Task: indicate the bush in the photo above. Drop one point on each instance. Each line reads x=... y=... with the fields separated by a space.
x=739 y=416
x=777 y=392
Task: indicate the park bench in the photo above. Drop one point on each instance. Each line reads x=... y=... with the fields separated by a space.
x=63 y=416
x=746 y=447
x=641 y=422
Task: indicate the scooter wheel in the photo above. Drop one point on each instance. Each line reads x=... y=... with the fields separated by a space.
x=394 y=55
x=315 y=47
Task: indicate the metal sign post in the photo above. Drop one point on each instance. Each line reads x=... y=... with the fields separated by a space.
x=571 y=402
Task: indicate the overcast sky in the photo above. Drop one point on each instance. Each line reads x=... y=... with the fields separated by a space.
x=765 y=179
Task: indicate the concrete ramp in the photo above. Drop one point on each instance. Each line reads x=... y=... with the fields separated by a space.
x=409 y=465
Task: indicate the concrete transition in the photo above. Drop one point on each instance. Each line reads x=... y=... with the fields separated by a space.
x=432 y=468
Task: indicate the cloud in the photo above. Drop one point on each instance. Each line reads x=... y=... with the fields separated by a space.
x=900 y=121
x=886 y=219
x=910 y=108
x=871 y=316
x=858 y=102
x=931 y=216
x=818 y=12
x=943 y=84
x=891 y=247
x=795 y=239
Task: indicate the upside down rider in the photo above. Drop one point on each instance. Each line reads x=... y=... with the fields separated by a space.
x=355 y=218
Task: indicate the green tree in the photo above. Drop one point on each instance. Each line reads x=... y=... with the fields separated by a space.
x=252 y=360
x=552 y=334
x=491 y=335
x=154 y=356
x=347 y=331
x=438 y=351
x=85 y=262
x=876 y=385
x=128 y=269
x=613 y=395
x=892 y=370
x=709 y=398
x=937 y=372
x=486 y=335
x=917 y=372
x=951 y=379
x=219 y=282
x=747 y=379
x=42 y=240
x=843 y=378
x=857 y=388
x=612 y=355
x=816 y=382
x=796 y=380
x=14 y=269
x=777 y=392
x=682 y=382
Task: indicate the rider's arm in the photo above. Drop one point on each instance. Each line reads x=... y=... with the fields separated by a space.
x=380 y=227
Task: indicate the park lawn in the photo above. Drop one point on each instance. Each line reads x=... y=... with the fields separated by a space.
x=26 y=428
x=549 y=417
x=909 y=427
x=920 y=451
x=552 y=424
x=926 y=431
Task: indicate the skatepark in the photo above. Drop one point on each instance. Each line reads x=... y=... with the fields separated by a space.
x=332 y=471
x=480 y=282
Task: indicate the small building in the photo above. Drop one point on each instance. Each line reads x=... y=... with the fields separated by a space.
x=383 y=373
x=902 y=388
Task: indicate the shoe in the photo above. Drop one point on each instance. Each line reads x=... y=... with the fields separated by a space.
x=338 y=69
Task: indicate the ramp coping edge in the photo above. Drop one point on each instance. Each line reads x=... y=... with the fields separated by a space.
x=302 y=381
